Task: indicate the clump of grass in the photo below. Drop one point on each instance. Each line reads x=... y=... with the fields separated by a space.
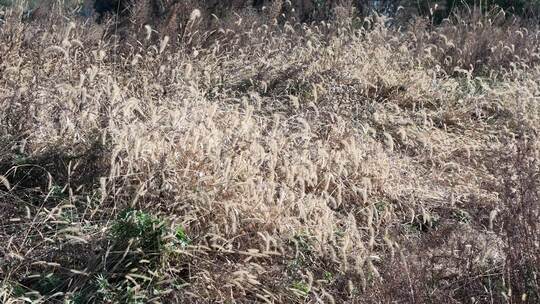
x=522 y=207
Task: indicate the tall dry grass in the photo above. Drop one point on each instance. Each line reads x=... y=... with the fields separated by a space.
x=334 y=162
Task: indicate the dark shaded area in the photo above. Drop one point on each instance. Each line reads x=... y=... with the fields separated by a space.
x=160 y=10
x=31 y=171
x=258 y=3
x=111 y=7
x=524 y=8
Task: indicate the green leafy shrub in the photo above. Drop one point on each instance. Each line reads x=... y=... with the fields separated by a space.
x=139 y=226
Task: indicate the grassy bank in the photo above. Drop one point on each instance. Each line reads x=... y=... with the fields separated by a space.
x=337 y=162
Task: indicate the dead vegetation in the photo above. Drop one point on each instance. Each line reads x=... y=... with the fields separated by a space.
x=343 y=161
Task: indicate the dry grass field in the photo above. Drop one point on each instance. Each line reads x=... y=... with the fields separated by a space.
x=344 y=161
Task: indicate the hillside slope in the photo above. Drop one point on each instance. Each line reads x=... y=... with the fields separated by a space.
x=341 y=162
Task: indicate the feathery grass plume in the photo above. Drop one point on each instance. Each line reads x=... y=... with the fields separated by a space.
x=148 y=31
x=5 y=182
x=57 y=49
x=195 y=14
x=69 y=28
x=163 y=44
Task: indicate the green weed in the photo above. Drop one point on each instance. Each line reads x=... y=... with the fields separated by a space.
x=301 y=288
x=182 y=237
x=140 y=226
